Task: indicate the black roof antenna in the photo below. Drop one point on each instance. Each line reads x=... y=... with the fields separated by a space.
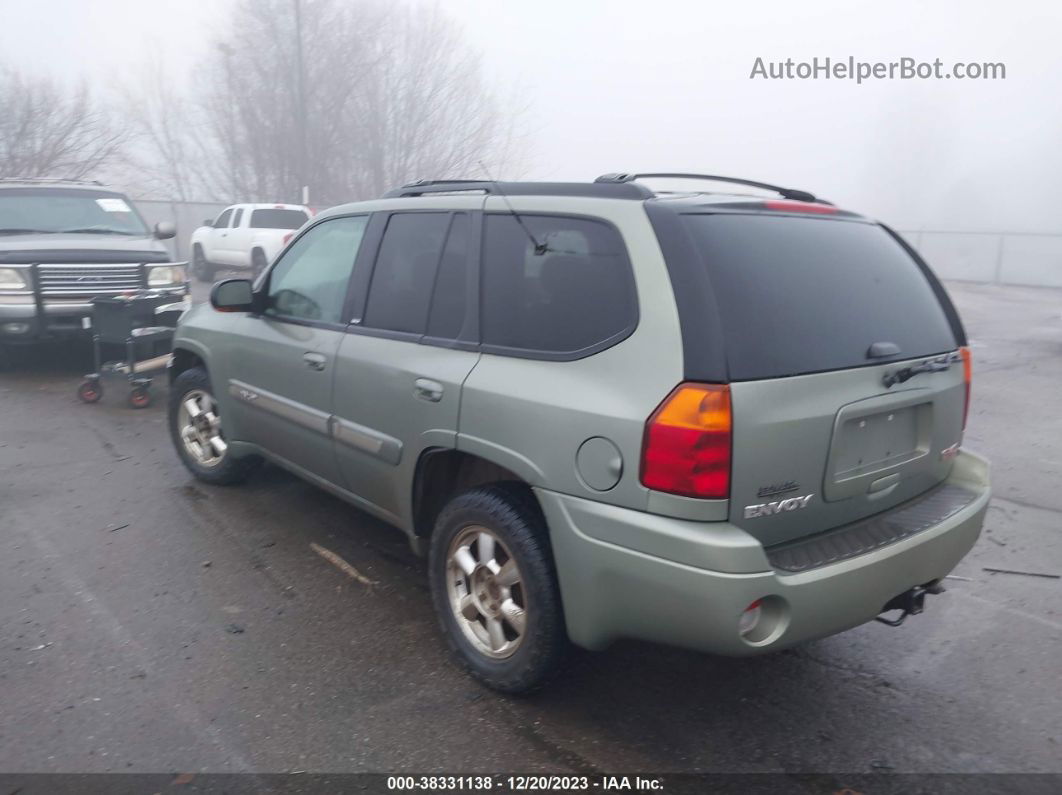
x=540 y=248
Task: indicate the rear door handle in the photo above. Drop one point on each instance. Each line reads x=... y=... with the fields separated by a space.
x=427 y=389
x=314 y=361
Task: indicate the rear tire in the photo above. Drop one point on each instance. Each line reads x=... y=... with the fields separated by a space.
x=497 y=598
x=197 y=433
x=202 y=269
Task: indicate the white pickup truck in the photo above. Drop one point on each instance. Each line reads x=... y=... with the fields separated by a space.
x=244 y=236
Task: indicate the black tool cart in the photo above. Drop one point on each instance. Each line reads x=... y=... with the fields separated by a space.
x=143 y=328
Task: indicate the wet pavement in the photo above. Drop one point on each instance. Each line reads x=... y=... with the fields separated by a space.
x=152 y=623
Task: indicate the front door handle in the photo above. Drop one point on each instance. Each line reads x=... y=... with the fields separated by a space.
x=427 y=389
x=314 y=361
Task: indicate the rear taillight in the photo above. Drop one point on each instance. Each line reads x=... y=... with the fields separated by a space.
x=287 y=238
x=687 y=443
x=967 y=376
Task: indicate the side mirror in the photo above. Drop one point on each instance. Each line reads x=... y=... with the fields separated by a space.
x=232 y=295
x=164 y=230
x=208 y=222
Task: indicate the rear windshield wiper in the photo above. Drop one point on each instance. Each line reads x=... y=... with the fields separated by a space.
x=938 y=365
x=97 y=230
x=14 y=231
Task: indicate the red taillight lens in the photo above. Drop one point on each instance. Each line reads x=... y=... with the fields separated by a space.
x=687 y=443
x=967 y=375
x=287 y=238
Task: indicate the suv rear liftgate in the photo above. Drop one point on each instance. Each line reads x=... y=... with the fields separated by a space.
x=848 y=379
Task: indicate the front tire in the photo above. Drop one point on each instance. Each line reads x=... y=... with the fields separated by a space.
x=195 y=427
x=495 y=588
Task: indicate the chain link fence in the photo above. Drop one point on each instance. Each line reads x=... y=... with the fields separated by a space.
x=992 y=257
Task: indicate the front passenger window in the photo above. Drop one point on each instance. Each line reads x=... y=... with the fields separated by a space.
x=222 y=221
x=310 y=282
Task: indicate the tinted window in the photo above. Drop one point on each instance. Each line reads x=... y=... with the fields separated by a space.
x=405 y=271
x=277 y=219
x=576 y=295
x=450 y=296
x=804 y=295
x=310 y=281
x=222 y=220
x=237 y=217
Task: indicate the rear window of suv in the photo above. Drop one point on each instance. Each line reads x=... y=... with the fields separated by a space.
x=807 y=295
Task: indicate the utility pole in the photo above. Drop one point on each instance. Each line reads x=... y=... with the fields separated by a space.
x=227 y=52
x=300 y=99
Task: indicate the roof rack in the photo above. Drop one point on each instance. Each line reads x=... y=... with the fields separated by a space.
x=787 y=193
x=52 y=180
x=599 y=189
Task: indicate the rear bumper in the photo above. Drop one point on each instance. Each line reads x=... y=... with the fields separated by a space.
x=628 y=574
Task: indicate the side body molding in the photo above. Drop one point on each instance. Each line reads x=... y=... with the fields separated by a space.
x=367 y=440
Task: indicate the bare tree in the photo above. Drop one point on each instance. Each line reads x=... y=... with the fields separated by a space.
x=46 y=130
x=348 y=98
x=159 y=157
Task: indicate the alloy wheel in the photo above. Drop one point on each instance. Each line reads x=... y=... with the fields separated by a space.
x=200 y=428
x=486 y=592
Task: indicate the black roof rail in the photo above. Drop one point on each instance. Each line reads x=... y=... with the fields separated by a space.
x=599 y=189
x=421 y=186
x=787 y=193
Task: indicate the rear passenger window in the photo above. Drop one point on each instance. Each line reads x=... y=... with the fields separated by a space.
x=570 y=299
x=404 y=275
x=450 y=297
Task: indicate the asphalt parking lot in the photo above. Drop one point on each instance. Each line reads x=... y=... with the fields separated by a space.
x=152 y=623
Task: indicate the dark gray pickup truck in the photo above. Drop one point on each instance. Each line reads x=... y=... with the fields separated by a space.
x=63 y=243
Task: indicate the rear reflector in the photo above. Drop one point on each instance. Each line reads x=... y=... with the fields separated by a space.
x=967 y=375
x=686 y=449
x=790 y=206
x=750 y=617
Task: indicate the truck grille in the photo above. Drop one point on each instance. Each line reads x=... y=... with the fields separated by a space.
x=88 y=280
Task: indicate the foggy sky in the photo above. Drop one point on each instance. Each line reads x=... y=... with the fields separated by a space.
x=664 y=86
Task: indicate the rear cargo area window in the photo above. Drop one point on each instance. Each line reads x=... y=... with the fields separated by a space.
x=807 y=295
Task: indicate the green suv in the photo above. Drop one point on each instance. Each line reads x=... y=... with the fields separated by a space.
x=714 y=420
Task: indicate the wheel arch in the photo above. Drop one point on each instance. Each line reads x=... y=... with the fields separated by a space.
x=185 y=358
x=441 y=473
